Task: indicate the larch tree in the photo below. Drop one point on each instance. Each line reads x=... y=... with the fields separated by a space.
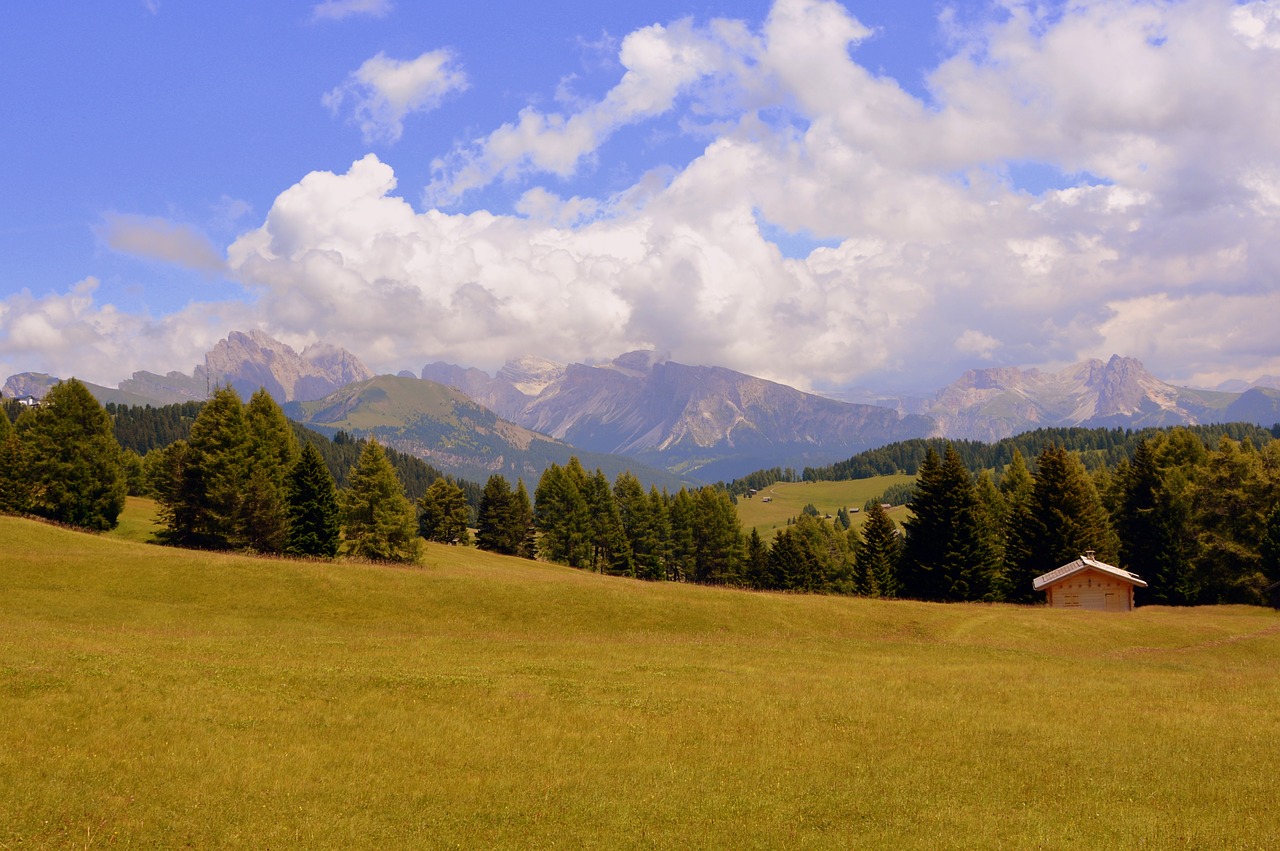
x=74 y=468
x=443 y=514
x=378 y=519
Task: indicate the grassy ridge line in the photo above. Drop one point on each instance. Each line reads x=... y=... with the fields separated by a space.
x=159 y=697
x=787 y=499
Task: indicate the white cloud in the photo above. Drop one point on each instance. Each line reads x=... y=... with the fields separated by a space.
x=336 y=10
x=1166 y=248
x=382 y=92
x=160 y=239
x=661 y=62
x=71 y=334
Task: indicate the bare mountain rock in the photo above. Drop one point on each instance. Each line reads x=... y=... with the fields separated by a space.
x=989 y=404
x=707 y=421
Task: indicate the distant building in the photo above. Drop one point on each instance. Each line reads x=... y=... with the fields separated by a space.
x=28 y=401
x=1087 y=583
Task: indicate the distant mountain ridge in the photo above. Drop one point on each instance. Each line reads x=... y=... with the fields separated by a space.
x=447 y=429
x=990 y=404
x=249 y=360
x=710 y=422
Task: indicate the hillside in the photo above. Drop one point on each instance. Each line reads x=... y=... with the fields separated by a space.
x=710 y=422
x=448 y=430
x=155 y=697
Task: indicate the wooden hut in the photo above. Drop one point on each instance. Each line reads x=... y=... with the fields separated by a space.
x=1087 y=583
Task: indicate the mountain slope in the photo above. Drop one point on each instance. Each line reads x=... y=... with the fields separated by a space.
x=708 y=421
x=989 y=404
x=444 y=427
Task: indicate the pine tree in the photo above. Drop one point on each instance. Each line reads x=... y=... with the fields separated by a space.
x=1231 y=523
x=272 y=451
x=497 y=528
x=314 y=522
x=879 y=554
x=13 y=482
x=791 y=565
x=1153 y=521
x=638 y=521
x=560 y=514
x=443 y=514
x=378 y=519
x=683 y=520
x=1068 y=514
x=717 y=538
x=1021 y=563
x=947 y=555
x=203 y=506
x=522 y=519
x=609 y=547
x=755 y=563
x=74 y=469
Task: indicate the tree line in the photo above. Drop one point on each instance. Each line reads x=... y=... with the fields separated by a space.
x=1199 y=524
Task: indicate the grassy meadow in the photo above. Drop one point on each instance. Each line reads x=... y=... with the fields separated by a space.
x=787 y=499
x=160 y=698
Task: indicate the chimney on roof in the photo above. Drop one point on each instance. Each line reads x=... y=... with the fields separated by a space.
x=1088 y=554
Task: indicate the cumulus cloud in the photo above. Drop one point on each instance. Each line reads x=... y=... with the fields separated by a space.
x=940 y=258
x=336 y=10
x=72 y=334
x=160 y=239
x=382 y=92
x=931 y=258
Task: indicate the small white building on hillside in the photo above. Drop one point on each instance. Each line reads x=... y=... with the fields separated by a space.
x=1087 y=583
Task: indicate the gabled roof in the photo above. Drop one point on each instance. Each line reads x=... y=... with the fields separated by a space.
x=1081 y=564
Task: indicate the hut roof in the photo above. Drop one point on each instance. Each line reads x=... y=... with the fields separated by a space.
x=1081 y=564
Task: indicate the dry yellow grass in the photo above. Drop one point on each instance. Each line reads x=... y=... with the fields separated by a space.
x=154 y=697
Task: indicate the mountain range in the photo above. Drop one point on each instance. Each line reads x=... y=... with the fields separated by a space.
x=644 y=411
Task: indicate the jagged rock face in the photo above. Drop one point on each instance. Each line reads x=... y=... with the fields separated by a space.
x=681 y=417
x=989 y=404
x=28 y=384
x=253 y=360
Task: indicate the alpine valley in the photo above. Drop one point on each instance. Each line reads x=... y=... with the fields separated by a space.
x=668 y=422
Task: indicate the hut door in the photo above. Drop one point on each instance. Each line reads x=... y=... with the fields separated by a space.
x=1114 y=602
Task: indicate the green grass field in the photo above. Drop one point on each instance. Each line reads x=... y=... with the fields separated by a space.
x=787 y=499
x=160 y=698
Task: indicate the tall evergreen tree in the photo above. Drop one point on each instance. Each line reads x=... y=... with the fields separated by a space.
x=443 y=514
x=378 y=519
x=1021 y=563
x=560 y=514
x=639 y=523
x=203 y=507
x=74 y=469
x=610 y=548
x=879 y=554
x=947 y=555
x=315 y=526
x=755 y=562
x=792 y=566
x=13 y=482
x=717 y=537
x=522 y=519
x=681 y=547
x=1069 y=518
x=1153 y=521
x=272 y=451
x=497 y=527
x=1231 y=523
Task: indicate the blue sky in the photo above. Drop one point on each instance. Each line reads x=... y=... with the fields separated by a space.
x=828 y=194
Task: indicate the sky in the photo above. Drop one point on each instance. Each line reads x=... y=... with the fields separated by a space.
x=834 y=195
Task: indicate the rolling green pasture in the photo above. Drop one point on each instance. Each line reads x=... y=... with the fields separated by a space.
x=160 y=698
x=789 y=498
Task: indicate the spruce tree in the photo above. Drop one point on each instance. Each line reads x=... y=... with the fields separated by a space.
x=717 y=537
x=74 y=468
x=560 y=514
x=1068 y=514
x=610 y=548
x=377 y=518
x=755 y=563
x=522 y=520
x=496 y=526
x=681 y=548
x=208 y=497
x=948 y=554
x=314 y=522
x=272 y=451
x=639 y=523
x=443 y=514
x=879 y=554
x=13 y=483
x=1021 y=563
